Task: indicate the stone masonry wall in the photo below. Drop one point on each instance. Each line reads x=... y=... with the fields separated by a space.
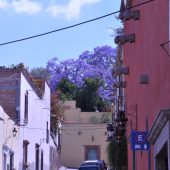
x=8 y=91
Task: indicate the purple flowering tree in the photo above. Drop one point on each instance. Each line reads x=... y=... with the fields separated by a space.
x=90 y=64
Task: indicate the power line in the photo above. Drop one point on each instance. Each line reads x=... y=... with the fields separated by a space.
x=66 y=128
x=78 y=128
x=163 y=47
x=71 y=26
x=164 y=43
x=33 y=128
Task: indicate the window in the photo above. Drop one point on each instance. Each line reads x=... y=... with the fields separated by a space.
x=25 y=154
x=37 y=156
x=161 y=158
x=47 y=133
x=4 y=161
x=92 y=152
x=59 y=141
x=11 y=161
x=8 y=158
x=42 y=159
x=26 y=108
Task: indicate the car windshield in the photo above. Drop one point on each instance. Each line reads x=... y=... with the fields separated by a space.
x=89 y=168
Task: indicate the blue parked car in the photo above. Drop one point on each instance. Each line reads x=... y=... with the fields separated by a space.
x=93 y=165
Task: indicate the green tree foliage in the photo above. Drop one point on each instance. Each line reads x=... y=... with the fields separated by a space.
x=94 y=120
x=105 y=118
x=68 y=90
x=40 y=72
x=117 y=154
x=56 y=112
x=87 y=97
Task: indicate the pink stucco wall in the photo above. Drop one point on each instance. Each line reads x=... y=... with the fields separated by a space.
x=146 y=57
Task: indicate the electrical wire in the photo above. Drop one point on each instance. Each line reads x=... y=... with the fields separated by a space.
x=164 y=43
x=165 y=50
x=71 y=26
x=163 y=47
x=77 y=128
x=65 y=129
x=32 y=128
x=83 y=125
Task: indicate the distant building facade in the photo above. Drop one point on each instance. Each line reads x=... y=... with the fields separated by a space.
x=83 y=136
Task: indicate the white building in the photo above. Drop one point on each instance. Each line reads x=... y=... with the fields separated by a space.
x=34 y=126
x=27 y=102
x=8 y=141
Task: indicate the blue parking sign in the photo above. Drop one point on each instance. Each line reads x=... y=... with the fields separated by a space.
x=139 y=140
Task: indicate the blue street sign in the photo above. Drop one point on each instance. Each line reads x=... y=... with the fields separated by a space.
x=139 y=140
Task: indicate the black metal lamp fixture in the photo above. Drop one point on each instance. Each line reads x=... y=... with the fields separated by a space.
x=1 y=119
x=119 y=132
x=110 y=132
x=14 y=131
x=120 y=121
x=121 y=118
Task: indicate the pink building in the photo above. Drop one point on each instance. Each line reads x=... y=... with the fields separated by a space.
x=148 y=81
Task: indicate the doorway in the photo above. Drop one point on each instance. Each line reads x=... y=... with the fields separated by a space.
x=162 y=158
x=92 y=152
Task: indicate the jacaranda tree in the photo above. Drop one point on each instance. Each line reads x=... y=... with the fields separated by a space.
x=96 y=64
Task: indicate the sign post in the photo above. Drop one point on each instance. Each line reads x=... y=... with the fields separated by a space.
x=139 y=140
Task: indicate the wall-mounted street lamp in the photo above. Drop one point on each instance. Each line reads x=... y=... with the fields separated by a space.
x=1 y=119
x=110 y=132
x=120 y=122
x=92 y=138
x=14 y=132
x=120 y=118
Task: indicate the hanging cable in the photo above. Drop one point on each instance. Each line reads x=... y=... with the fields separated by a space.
x=78 y=128
x=71 y=26
x=65 y=128
x=163 y=47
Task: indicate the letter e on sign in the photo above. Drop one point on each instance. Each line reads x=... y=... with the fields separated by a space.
x=140 y=138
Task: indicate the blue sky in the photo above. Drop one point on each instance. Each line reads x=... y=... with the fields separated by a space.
x=24 y=18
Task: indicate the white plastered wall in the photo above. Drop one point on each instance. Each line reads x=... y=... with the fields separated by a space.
x=35 y=129
x=7 y=139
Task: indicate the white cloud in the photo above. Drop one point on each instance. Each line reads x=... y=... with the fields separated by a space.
x=71 y=10
x=21 y=6
x=26 y=6
x=4 y=4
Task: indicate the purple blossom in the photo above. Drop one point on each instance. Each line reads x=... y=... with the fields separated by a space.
x=95 y=64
